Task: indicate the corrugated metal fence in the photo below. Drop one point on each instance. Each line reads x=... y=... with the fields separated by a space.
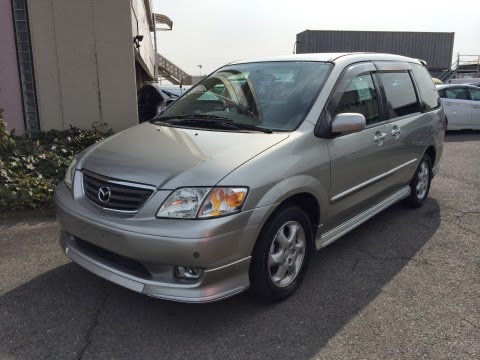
x=435 y=48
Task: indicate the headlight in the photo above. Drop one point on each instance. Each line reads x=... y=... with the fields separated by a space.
x=183 y=203
x=70 y=173
x=223 y=201
x=202 y=203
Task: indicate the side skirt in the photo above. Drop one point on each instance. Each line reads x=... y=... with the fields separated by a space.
x=323 y=240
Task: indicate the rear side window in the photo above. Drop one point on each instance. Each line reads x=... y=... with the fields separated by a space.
x=428 y=91
x=360 y=97
x=455 y=93
x=400 y=92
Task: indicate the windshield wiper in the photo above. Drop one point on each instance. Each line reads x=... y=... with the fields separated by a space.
x=252 y=127
x=192 y=117
x=201 y=119
x=238 y=106
x=170 y=94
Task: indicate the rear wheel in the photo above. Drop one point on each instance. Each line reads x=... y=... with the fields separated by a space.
x=420 y=184
x=281 y=255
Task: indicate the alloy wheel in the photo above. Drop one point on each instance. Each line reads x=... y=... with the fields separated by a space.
x=286 y=254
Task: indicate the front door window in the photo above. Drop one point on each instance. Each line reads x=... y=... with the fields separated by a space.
x=360 y=97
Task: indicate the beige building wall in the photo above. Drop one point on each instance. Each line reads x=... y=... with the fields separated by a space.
x=142 y=24
x=84 y=63
x=116 y=63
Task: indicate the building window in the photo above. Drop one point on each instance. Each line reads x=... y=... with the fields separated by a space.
x=25 y=65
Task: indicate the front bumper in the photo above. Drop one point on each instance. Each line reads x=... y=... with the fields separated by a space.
x=215 y=284
x=222 y=247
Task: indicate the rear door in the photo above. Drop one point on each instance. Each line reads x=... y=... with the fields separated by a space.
x=358 y=160
x=407 y=123
x=474 y=96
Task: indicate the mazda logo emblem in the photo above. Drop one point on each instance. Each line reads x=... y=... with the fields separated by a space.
x=104 y=194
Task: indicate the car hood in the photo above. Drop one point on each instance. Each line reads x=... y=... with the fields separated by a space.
x=169 y=157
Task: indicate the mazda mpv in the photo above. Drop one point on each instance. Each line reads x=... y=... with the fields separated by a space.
x=240 y=180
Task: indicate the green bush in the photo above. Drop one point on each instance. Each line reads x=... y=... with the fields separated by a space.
x=30 y=168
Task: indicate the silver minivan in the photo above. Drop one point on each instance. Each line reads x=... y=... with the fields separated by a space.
x=238 y=182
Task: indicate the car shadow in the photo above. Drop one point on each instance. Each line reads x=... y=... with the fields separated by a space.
x=68 y=312
x=462 y=135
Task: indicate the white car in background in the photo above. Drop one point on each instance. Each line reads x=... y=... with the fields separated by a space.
x=461 y=103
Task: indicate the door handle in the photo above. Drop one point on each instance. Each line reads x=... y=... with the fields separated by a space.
x=476 y=106
x=396 y=131
x=379 y=137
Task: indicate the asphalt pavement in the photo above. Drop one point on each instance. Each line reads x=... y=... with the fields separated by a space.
x=405 y=285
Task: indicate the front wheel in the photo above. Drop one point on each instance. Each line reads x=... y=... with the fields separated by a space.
x=420 y=184
x=281 y=255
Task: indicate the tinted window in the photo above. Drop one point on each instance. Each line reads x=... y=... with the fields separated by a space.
x=456 y=93
x=474 y=94
x=360 y=97
x=401 y=97
x=428 y=91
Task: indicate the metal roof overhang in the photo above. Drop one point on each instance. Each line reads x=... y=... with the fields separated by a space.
x=163 y=20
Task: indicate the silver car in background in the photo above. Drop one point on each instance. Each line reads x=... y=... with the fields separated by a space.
x=240 y=180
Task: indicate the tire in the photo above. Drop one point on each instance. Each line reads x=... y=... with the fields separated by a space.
x=423 y=175
x=266 y=281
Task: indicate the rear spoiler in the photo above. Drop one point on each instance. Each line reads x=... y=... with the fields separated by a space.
x=424 y=63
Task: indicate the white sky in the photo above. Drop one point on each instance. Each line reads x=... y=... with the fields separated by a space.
x=215 y=32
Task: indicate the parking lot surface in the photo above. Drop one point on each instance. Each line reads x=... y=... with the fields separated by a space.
x=406 y=284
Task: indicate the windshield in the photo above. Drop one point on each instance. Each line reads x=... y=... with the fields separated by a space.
x=270 y=95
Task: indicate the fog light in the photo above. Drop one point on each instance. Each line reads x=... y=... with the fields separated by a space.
x=188 y=272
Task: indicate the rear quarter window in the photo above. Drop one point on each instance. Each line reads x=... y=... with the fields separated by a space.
x=428 y=91
x=474 y=94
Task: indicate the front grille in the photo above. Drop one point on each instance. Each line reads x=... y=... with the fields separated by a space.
x=122 y=261
x=117 y=195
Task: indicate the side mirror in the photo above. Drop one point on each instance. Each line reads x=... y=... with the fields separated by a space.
x=348 y=123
